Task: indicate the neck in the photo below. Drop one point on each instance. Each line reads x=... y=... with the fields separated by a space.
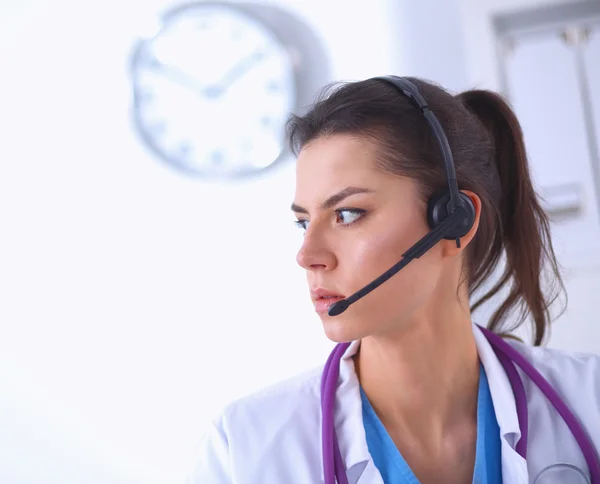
x=423 y=380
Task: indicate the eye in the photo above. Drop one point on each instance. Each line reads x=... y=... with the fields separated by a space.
x=303 y=224
x=347 y=216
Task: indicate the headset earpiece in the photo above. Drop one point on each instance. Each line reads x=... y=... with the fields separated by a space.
x=437 y=212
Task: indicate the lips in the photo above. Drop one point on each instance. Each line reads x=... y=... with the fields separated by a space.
x=324 y=299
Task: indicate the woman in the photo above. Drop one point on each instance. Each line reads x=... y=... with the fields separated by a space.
x=422 y=396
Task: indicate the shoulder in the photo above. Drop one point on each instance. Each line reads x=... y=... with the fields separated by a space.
x=276 y=402
x=563 y=367
x=574 y=376
x=256 y=429
x=576 y=379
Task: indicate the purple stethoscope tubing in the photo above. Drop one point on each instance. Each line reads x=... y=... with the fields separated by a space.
x=333 y=465
x=581 y=437
x=329 y=438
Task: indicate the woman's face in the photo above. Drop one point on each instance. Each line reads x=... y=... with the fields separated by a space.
x=358 y=221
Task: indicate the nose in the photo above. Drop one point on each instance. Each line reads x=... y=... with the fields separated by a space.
x=315 y=253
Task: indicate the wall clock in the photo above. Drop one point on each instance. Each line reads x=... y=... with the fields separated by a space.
x=214 y=85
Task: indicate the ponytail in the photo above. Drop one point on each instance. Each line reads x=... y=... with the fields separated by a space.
x=522 y=228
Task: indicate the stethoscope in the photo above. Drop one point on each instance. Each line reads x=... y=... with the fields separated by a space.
x=333 y=464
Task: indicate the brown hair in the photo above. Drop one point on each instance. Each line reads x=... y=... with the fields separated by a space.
x=489 y=153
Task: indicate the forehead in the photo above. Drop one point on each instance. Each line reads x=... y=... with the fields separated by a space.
x=337 y=161
x=328 y=166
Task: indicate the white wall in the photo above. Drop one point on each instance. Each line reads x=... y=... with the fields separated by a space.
x=129 y=310
x=577 y=329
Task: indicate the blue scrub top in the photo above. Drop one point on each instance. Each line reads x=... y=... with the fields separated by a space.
x=394 y=469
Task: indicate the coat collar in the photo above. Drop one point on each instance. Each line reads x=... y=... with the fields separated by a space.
x=351 y=433
x=514 y=467
x=500 y=389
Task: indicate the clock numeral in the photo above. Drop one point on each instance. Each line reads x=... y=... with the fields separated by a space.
x=158 y=128
x=246 y=144
x=216 y=157
x=237 y=34
x=273 y=86
x=145 y=96
x=151 y=61
x=185 y=151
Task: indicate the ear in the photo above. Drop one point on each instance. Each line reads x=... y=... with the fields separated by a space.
x=449 y=246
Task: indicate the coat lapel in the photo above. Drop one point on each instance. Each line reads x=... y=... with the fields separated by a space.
x=514 y=467
x=349 y=424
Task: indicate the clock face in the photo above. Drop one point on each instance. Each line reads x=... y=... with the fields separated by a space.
x=212 y=91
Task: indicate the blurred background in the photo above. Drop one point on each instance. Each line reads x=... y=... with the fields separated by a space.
x=147 y=251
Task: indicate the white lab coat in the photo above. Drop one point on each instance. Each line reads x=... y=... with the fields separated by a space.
x=274 y=436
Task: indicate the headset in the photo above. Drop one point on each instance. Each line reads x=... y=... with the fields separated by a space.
x=450 y=213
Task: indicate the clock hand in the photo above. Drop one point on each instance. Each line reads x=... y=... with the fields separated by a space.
x=233 y=74
x=177 y=75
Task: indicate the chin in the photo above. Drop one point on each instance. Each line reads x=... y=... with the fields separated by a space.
x=340 y=329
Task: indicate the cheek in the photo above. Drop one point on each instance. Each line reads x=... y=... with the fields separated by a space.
x=374 y=255
x=379 y=248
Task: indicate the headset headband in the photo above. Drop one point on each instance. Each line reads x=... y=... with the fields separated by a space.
x=410 y=90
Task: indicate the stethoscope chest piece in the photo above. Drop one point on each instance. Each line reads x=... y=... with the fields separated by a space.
x=562 y=474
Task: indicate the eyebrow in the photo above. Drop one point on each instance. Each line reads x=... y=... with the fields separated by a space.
x=334 y=199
